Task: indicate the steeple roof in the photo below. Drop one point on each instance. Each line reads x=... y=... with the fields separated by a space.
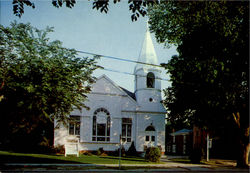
x=147 y=54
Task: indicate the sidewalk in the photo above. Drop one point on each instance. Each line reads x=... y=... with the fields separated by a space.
x=167 y=166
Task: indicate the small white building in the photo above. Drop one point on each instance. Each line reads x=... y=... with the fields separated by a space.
x=115 y=111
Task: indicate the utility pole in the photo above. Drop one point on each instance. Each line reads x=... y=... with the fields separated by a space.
x=120 y=152
x=208 y=147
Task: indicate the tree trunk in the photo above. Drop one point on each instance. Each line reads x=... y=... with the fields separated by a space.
x=244 y=146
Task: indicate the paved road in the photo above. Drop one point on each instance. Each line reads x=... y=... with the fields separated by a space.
x=133 y=170
x=168 y=166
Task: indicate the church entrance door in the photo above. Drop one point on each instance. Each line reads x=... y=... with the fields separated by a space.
x=151 y=136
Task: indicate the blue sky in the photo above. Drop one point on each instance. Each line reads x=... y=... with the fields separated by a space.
x=86 y=29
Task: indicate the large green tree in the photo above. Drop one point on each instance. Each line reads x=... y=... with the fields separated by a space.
x=210 y=77
x=40 y=81
x=137 y=7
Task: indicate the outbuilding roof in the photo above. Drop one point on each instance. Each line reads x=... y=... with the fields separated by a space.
x=181 y=132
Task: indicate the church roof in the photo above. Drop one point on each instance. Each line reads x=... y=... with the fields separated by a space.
x=132 y=95
x=147 y=54
x=123 y=90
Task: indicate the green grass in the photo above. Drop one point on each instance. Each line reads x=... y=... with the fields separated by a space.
x=11 y=157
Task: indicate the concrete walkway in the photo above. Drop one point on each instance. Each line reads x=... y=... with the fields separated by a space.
x=167 y=166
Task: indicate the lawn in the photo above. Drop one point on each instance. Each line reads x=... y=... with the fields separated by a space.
x=11 y=157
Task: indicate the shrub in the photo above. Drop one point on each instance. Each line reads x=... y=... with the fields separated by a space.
x=196 y=155
x=87 y=153
x=100 y=151
x=117 y=152
x=59 y=149
x=104 y=154
x=132 y=150
x=153 y=154
x=123 y=151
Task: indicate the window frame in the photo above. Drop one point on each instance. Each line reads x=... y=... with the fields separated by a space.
x=97 y=126
x=75 y=121
x=126 y=135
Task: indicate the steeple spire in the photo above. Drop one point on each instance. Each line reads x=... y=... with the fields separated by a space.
x=147 y=54
x=147 y=29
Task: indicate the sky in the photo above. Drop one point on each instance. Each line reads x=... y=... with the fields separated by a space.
x=86 y=29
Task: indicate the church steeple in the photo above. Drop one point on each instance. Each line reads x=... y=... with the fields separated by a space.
x=147 y=77
x=147 y=54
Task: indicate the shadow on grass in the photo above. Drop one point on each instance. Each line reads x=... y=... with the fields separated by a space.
x=30 y=159
x=186 y=161
x=136 y=159
x=180 y=160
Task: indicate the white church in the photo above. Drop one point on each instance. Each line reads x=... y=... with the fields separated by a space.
x=117 y=114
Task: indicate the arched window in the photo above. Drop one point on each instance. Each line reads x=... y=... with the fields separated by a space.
x=150 y=128
x=150 y=80
x=101 y=125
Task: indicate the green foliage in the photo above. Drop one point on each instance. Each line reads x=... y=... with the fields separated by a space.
x=59 y=149
x=123 y=151
x=153 y=154
x=99 y=152
x=132 y=150
x=172 y=20
x=210 y=77
x=196 y=155
x=88 y=153
x=137 y=7
x=40 y=81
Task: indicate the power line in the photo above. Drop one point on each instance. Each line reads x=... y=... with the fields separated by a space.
x=110 y=57
x=127 y=73
x=120 y=59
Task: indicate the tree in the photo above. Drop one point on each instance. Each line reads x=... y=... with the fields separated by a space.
x=138 y=7
x=40 y=81
x=210 y=77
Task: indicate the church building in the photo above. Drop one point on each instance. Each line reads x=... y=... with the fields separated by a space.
x=117 y=114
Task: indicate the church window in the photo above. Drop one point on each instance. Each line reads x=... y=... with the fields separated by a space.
x=151 y=138
x=74 y=125
x=150 y=80
x=150 y=128
x=101 y=125
x=126 y=129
